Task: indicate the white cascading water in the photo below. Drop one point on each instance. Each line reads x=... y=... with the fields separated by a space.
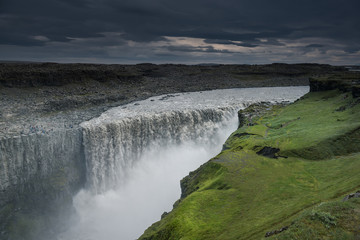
x=137 y=154
x=111 y=149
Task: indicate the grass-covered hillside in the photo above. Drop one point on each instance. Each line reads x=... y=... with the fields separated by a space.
x=285 y=171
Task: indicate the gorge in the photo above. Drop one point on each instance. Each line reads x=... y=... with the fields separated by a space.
x=84 y=147
x=101 y=154
x=179 y=120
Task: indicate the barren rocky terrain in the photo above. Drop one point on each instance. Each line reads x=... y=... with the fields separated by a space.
x=44 y=97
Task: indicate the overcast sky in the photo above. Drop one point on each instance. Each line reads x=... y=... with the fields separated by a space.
x=181 y=31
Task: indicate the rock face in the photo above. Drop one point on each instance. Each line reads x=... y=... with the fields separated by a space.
x=37 y=165
x=247 y=115
x=31 y=161
x=356 y=91
x=317 y=86
x=346 y=82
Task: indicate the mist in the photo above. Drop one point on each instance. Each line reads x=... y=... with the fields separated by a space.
x=150 y=188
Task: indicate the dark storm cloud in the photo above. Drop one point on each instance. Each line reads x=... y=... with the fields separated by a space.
x=208 y=49
x=243 y=23
x=314 y=46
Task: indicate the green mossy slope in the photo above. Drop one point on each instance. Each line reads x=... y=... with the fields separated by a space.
x=331 y=220
x=273 y=171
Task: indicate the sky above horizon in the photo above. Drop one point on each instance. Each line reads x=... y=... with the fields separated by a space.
x=187 y=31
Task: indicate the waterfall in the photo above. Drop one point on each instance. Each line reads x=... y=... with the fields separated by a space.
x=134 y=166
x=114 y=141
x=112 y=148
x=113 y=158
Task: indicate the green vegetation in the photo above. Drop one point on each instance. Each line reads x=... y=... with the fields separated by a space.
x=322 y=125
x=288 y=167
x=331 y=220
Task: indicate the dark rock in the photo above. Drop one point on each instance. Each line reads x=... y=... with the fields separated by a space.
x=177 y=203
x=345 y=81
x=352 y=195
x=164 y=214
x=239 y=135
x=323 y=85
x=355 y=90
x=269 y=234
x=190 y=183
x=341 y=109
x=268 y=152
x=247 y=115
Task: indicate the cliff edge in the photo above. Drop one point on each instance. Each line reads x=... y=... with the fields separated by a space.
x=283 y=174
